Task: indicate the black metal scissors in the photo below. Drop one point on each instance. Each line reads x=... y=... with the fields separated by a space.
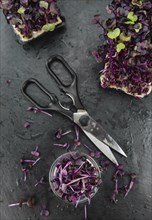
x=102 y=140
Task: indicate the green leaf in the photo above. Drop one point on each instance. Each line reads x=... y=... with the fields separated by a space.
x=48 y=27
x=120 y=47
x=129 y=22
x=137 y=2
x=21 y=10
x=139 y=27
x=132 y=17
x=43 y=4
x=124 y=37
x=114 y=34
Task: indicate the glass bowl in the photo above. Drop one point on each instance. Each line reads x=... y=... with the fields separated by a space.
x=53 y=174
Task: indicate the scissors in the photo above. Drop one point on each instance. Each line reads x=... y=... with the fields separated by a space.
x=94 y=131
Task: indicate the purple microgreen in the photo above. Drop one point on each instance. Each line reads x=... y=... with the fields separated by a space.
x=8 y=82
x=40 y=182
x=27 y=166
x=77 y=202
x=25 y=172
x=36 y=110
x=116 y=186
x=33 y=109
x=44 y=212
x=131 y=184
x=46 y=113
x=35 y=162
x=35 y=152
x=85 y=212
x=59 y=133
x=119 y=171
x=30 y=202
x=95 y=153
x=105 y=164
x=77 y=139
x=23 y=161
x=97 y=56
x=113 y=197
x=115 y=191
x=74 y=199
x=27 y=124
x=66 y=145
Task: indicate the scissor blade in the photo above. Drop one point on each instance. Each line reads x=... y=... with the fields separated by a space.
x=102 y=147
x=96 y=130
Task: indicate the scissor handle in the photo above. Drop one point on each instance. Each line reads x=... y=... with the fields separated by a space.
x=54 y=104
x=69 y=89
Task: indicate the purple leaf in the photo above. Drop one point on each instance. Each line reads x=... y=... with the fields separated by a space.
x=8 y=82
x=27 y=124
x=35 y=152
x=44 y=212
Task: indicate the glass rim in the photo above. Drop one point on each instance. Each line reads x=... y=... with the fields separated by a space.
x=51 y=172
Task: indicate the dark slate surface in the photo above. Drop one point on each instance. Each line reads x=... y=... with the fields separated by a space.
x=127 y=119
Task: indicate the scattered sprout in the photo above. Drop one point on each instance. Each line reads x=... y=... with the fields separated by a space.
x=36 y=110
x=40 y=182
x=59 y=133
x=35 y=152
x=85 y=212
x=132 y=182
x=27 y=166
x=77 y=139
x=27 y=124
x=44 y=212
x=66 y=145
x=8 y=82
x=30 y=202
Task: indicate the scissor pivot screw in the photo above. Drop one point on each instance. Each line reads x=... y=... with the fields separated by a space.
x=84 y=120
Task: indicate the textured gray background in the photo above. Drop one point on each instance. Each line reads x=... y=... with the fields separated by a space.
x=127 y=119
